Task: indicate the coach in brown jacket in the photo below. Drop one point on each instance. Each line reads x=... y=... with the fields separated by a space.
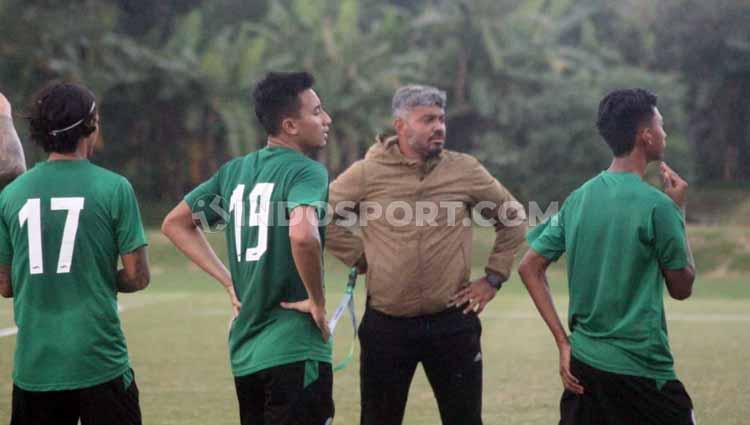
x=412 y=202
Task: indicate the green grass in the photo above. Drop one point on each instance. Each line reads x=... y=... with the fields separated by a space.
x=177 y=330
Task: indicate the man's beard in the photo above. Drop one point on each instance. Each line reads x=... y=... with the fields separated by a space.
x=433 y=153
x=426 y=151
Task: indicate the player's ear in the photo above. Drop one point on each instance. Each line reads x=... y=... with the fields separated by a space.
x=289 y=126
x=398 y=124
x=644 y=136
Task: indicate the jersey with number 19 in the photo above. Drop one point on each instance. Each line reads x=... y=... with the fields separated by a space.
x=254 y=195
x=62 y=226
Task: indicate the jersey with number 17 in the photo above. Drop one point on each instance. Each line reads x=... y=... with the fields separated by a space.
x=254 y=196
x=63 y=225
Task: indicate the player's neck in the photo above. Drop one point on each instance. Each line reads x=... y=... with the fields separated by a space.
x=276 y=142
x=635 y=163
x=83 y=151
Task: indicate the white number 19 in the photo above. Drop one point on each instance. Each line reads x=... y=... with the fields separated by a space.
x=260 y=202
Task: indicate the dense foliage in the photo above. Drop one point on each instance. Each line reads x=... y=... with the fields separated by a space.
x=524 y=77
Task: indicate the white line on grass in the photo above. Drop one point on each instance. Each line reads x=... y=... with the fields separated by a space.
x=674 y=317
x=120 y=308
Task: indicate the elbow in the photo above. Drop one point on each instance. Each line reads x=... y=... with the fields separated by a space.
x=168 y=227
x=145 y=280
x=6 y=294
x=9 y=175
x=303 y=242
x=681 y=294
x=524 y=270
x=680 y=284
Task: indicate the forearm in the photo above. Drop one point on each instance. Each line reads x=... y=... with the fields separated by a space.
x=343 y=244
x=6 y=287
x=135 y=274
x=538 y=288
x=12 y=161
x=128 y=283
x=507 y=242
x=192 y=242
x=308 y=260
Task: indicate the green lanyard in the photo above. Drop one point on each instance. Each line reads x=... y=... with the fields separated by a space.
x=346 y=304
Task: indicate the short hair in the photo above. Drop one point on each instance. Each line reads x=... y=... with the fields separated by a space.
x=61 y=114
x=276 y=97
x=621 y=113
x=409 y=97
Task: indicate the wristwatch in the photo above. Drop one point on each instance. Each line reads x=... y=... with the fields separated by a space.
x=495 y=280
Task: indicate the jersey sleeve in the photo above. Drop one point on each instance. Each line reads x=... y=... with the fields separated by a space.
x=126 y=215
x=548 y=239
x=670 y=237
x=206 y=202
x=309 y=187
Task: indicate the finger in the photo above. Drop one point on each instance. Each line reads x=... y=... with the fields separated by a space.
x=576 y=388
x=299 y=306
x=325 y=331
x=666 y=178
x=461 y=292
x=572 y=382
x=459 y=301
x=469 y=307
x=674 y=175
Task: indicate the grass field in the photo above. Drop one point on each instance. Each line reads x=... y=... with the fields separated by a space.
x=176 y=332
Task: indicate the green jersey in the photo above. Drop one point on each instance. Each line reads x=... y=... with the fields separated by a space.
x=254 y=195
x=619 y=233
x=62 y=226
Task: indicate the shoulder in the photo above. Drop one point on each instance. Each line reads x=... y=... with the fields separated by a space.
x=467 y=165
x=301 y=165
x=655 y=198
x=108 y=175
x=107 y=180
x=460 y=158
x=235 y=164
x=20 y=186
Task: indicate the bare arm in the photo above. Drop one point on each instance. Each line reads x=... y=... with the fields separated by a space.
x=308 y=258
x=12 y=161
x=184 y=233
x=533 y=272
x=135 y=274
x=679 y=282
x=6 y=288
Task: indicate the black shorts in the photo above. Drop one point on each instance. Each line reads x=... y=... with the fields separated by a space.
x=613 y=399
x=277 y=396
x=109 y=403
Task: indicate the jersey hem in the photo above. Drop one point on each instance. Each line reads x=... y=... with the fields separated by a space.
x=72 y=386
x=667 y=376
x=280 y=362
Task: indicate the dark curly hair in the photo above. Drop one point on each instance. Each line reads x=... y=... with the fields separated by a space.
x=276 y=97
x=621 y=113
x=61 y=115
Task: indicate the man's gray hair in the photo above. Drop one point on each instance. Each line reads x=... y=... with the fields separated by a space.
x=412 y=96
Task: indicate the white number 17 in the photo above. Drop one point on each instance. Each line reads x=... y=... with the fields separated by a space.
x=31 y=213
